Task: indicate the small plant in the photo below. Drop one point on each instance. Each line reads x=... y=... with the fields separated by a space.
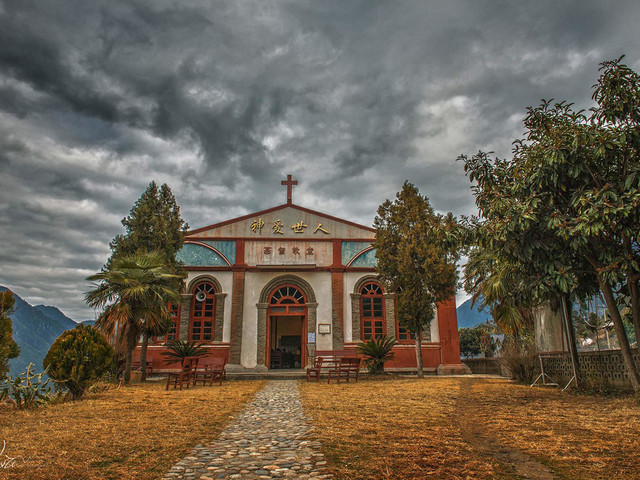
x=376 y=352
x=27 y=389
x=78 y=358
x=181 y=349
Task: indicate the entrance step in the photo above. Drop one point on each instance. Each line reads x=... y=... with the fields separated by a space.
x=269 y=375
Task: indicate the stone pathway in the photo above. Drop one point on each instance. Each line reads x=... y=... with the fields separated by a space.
x=270 y=439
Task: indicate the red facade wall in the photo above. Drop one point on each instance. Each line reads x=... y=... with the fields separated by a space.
x=448 y=327
x=162 y=364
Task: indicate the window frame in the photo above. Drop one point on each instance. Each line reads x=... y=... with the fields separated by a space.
x=203 y=319
x=375 y=322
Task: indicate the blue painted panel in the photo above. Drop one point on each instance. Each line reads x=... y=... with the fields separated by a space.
x=199 y=256
x=367 y=259
x=225 y=247
x=351 y=249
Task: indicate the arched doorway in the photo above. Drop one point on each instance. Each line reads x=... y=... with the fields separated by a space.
x=287 y=315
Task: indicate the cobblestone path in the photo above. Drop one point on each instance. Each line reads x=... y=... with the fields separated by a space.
x=269 y=439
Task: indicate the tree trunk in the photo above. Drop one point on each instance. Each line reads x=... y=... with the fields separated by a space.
x=143 y=356
x=625 y=348
x=595 y=304
x=635 y=307
x=419 y=353
x=571 y=340
x=131 y=344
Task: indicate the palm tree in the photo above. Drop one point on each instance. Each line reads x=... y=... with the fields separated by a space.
x=134 y=292
x=178 y=350
x=504 y=288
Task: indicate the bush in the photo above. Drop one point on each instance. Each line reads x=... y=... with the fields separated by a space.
x=519 y=358
x=27 y=389
x=77 y=358
x=376 y=352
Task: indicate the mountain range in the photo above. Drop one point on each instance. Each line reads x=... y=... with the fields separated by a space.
x=34 y=329
x=469 y=316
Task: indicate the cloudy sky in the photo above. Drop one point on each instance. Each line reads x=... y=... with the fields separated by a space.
x=221 y=99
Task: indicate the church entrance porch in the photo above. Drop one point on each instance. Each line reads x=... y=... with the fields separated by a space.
x=286 y=328
x=285 y=342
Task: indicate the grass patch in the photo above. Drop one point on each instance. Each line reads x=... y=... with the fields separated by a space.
x=134 y=432
x=461 y=428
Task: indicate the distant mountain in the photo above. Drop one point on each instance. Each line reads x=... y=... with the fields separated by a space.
x=469 y=317
x=34 y=330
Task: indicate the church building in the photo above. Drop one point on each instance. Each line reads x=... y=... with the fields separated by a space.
x=267 y=290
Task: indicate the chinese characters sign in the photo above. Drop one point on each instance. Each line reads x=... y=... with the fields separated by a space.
x=277 y=227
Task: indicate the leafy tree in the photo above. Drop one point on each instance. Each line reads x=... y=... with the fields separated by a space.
x=153 y=225
x=477 y=340
x=77 y=358
x=417 y=254
x=376 y=352
x=134 y=293
x=566 y=208
x=469 y=342
x=8 y=347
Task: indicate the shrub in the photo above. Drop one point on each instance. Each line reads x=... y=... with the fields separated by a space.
x=27 y=389
x=77 y=358
x=181 y=349
x=376 y=352
x=519 y=358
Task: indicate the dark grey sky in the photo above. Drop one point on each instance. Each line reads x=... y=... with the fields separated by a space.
x=221 y=99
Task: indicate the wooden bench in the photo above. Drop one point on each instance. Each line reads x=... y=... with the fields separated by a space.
x=210 y=369
x=135 y=366
x=321 y=365
x=186 y=375
x=347 y=366
x=326 y=360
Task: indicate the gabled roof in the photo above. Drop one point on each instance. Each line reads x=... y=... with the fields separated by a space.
x=276 y=209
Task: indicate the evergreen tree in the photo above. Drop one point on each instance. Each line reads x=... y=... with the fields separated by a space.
x=417 y=255
x=8 y=347
x=153 y=225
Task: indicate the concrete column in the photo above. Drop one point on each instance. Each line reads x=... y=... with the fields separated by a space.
x=185 y=314
x=262 y=335
x=237 y=302
x=311 y=328
x=390 y=314
x=355 y=317
x=217 y=330
x=337 y=310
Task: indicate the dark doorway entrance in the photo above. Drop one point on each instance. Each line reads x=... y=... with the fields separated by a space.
x=285 y=341
x=287 y=328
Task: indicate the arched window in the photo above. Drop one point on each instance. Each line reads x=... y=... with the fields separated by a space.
x=203 y=313
x=372 y=311
x=287 y=300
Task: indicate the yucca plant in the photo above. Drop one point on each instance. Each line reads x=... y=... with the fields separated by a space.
x=376 y=352
x=181 y=349
x=26 y=390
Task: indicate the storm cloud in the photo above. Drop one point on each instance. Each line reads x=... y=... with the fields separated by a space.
x=222 y=99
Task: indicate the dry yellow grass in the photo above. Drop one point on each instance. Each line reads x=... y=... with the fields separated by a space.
x=471 y=428
x=134 y=432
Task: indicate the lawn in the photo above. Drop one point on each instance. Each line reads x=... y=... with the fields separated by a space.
x=472 y=428
x=134 y=432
